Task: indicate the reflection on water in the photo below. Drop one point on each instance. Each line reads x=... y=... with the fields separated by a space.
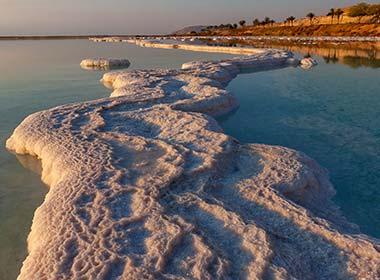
x=356 y=62
x=367 y=56
x=21 y=192
x=102 y=68
x=30 y=162
x=354 y=58
x=354 y=54
x=331 y=113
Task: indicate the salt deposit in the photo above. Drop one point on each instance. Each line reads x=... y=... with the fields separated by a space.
x=199 y=48
x=308 y=62
x=103 y=63
x=144 y=186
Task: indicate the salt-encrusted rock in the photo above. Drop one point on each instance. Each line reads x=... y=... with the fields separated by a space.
x=308 y=62
x=141 y=187
x=104 y=64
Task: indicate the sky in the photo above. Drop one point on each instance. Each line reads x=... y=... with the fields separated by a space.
x=75 y=17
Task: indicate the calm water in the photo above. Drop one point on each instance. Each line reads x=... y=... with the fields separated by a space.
x=36 y=75
x=331 y=112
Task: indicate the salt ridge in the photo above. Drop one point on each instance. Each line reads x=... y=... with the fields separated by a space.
x=145 y=185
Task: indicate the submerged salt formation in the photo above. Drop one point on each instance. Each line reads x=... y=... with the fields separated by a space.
x=144 y=187
x=308 y=62
x=104 y=64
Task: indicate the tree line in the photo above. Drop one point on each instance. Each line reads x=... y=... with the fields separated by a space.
x=363 y=9
x=358 y=11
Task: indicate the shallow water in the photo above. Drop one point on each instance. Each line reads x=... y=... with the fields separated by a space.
x=331 y=113
x=37 y=75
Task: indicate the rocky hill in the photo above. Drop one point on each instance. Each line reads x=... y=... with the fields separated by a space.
x=189 y=29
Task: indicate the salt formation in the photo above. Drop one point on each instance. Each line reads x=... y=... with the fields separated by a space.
x=144 y=187
x=199 y=48
x=104 y=64
x=308 y=62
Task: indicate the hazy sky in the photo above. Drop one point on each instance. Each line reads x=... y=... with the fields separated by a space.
x=143 y=16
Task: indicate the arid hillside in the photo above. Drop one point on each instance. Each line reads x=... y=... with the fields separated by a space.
x=361 y=19
x=348 y=29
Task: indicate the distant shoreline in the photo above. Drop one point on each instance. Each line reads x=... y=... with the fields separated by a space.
x=293 y=38
x=67 y=37
x=316 y=30
x=53 y=37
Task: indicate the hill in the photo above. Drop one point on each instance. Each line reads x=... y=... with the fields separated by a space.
x=348 y=29
x=359 y=20
x=189 y=29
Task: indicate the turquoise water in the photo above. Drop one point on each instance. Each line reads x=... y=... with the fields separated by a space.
x=37 y=75
x=332 y=113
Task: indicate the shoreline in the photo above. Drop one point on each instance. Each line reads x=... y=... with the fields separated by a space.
x=239 y=37
x=197 y=48
x=246 y=46
x=303 y=29
x=140 y=177
x=117 y=38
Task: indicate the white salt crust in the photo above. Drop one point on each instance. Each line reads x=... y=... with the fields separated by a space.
x=144 y=186
x=104 y=63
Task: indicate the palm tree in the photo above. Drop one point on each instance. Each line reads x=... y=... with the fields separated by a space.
x=256 y=22
x=332 y=14
x=242 y=23
x=291 y=19
x=359 y=10
x=311 y=16
x=339 y=13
